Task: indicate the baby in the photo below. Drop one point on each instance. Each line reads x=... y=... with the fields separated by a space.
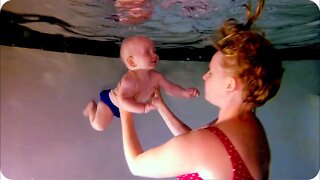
x=136 y=87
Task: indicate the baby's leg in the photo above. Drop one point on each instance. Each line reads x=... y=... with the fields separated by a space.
x=90 y=110
x=100 y=116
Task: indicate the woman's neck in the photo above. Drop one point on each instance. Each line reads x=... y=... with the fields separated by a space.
x=234 y=111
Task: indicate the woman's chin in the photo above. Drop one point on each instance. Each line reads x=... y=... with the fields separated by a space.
x=205 y=96
x=209 y=100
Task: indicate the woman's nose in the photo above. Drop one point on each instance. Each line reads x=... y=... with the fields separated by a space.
x=204 y=77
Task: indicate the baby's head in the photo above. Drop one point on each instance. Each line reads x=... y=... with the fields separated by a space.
x=138 y=52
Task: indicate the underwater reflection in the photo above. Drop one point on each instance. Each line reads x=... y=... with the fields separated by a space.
x=133 y=12
x=189 y=8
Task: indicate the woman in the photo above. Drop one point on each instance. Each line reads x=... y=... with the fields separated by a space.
x=243 y=74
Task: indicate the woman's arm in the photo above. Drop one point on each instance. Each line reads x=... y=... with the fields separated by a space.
x=175 y=125
x=167 y=160
x=131 y=144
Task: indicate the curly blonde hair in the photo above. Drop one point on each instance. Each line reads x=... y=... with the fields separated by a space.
x=251 y=57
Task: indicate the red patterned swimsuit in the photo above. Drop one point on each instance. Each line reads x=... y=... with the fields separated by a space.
x=239 y=169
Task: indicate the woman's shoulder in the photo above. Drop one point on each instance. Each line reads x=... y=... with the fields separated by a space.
x=250 y=141
x=200 y=138
x=247 y=136
x=210 y=154
x=205 y=143
x=248 y=128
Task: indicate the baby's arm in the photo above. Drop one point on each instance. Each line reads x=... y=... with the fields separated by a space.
x=174 y=89
x=126 y=92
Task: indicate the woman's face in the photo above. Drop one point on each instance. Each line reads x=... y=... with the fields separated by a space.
x=214 y=84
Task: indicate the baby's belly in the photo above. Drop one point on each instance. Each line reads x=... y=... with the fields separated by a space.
x=143 y=98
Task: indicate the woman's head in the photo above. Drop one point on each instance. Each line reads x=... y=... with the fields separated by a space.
x=250 y=57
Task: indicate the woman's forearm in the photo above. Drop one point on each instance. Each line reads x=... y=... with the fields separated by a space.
x=175 y=125
x=131 y=144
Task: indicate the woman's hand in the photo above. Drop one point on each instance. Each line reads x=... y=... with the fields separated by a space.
x=156 y=100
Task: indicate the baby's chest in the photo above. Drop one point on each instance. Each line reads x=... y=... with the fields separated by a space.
x=144 y=93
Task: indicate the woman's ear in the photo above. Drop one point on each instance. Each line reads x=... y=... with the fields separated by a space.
x=230 y=83
x=130 y=61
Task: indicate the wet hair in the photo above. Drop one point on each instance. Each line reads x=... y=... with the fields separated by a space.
x=251 y=57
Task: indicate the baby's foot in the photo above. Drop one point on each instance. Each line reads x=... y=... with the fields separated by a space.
x=89 y=108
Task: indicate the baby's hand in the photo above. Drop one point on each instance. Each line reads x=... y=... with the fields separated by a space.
x=148 y=107
x=191 y=92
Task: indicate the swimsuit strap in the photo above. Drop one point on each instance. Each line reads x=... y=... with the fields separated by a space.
x=239 y=168
x=193 y=176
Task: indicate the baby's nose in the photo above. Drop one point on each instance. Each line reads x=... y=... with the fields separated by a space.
x=155 y=56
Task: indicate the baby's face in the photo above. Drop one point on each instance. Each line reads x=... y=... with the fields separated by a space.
x=144 y=54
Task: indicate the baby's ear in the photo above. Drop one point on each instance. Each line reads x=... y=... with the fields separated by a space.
x=130 y=61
